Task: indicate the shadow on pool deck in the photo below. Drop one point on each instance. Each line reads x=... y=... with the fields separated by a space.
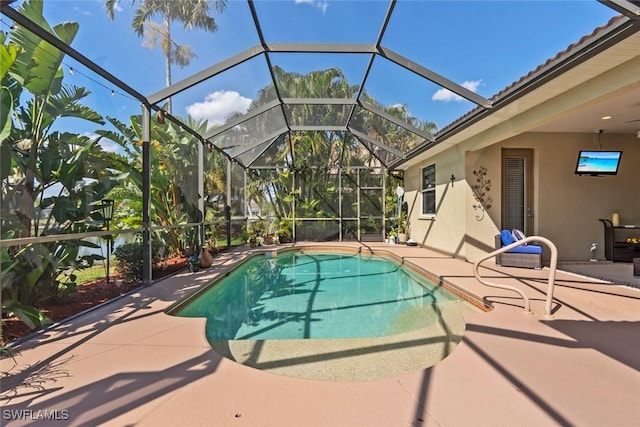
x=129 y=363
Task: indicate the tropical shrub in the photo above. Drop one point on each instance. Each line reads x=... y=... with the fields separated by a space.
x=128 y=260
x=174 y=183
x=51 y=180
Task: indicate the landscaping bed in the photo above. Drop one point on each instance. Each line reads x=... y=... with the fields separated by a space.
x=88 y=295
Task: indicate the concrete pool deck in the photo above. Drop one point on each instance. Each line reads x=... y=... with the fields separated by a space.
x=129 y=363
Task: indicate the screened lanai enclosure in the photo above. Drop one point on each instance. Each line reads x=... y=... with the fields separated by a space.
x=158 y=128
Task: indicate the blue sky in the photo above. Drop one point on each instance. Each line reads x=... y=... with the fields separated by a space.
x=483 y=45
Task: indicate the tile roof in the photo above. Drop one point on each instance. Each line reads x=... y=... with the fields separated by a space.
x=533 y=74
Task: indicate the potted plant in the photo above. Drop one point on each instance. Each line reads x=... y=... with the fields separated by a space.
x=256 y=231
x=245 y=236
x=391 y=236
x=284 y=232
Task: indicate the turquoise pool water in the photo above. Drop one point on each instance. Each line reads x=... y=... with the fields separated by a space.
x=316 y=296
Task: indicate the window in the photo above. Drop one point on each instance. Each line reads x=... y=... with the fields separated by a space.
x=429 y=190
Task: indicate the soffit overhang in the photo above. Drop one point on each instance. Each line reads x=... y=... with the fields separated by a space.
x=609 y=72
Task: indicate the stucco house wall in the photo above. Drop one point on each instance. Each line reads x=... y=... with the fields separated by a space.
x=566 y=208
x=444 y=231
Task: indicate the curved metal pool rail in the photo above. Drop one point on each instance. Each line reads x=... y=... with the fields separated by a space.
x=550 y=281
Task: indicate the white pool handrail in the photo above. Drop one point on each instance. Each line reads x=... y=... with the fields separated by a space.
x=550 y=281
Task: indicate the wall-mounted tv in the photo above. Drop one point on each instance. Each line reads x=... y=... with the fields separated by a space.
x=598 y=162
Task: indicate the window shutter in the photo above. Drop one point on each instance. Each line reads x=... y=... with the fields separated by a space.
x=514 y=193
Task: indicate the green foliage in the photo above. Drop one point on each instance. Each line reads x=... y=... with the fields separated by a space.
x=174 y=183
x=51 y=180
x=11 y=304
x=257 y=228
x=8 y=56
x=42 y=272
x=128 y=260
x=324 y=161
x=95 y=272
x=402 y=225
x=7 y=351
x=190 y=13
x=284 y=228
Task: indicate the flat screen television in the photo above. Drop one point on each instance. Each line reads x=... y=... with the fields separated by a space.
x=596 y=163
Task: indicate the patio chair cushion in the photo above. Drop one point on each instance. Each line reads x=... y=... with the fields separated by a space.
x=526 y=249
x=518 y=235
x=506 y=237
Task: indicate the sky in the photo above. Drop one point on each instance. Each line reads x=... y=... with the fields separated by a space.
x=482 y=45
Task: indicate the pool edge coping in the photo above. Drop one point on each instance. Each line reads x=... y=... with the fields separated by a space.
x=467 y=296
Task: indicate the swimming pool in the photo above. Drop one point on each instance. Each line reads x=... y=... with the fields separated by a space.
x=318 y=295
x=310 y=307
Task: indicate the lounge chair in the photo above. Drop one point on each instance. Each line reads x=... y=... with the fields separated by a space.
x=527 y=256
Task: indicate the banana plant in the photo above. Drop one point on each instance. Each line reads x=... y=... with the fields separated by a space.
x=174 y=189
x=51 y=180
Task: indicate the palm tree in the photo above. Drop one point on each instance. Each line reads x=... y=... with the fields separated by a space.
x=191 y=13
x=315 y=154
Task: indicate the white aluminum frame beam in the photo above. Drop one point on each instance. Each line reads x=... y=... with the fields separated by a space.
x=375 y=110
x=433 y=76
x=241 y=119
x=354 y=48
x=205 y=74
x=320 y=101
x=318 y=128
x=370 y=140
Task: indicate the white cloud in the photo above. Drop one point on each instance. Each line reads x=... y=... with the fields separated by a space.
x=82 y=11
x=323 y=5
x=446 y=95
x=218 y=105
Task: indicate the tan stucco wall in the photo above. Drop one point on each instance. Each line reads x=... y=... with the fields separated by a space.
x=482 y=221
x=445 y=231
x=567 y=206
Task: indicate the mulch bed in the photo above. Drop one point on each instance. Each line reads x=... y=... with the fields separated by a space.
x=88 y=295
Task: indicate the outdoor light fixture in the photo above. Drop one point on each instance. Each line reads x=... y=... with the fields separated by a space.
x=107 y=210
x=160 y=117
x=400 y=194
x=107 y=216
x=453 y=179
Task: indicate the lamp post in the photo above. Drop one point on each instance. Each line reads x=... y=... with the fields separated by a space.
x=107 y=216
